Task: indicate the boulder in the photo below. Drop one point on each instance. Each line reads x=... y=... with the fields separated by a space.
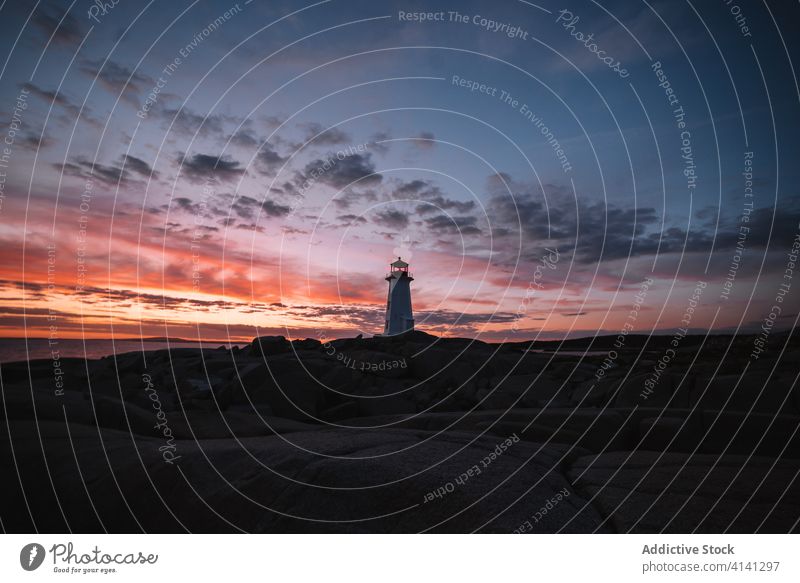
x=307 y=344
x=392 y=405
x=594 y=430
x=370 y=362
x=591 y=393
x=761 y=434
x=432 y=363
x=328 y=480
x=345 y=410
x=760 y=391
x=529 y=390
x=654 y=492
x=644 y=390
x=341 y=378
x=293 y=395
x=112 y=414
x=671 y=433
x=246 y=380
x=269 y=345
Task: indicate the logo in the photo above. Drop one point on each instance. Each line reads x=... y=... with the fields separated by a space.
x=31 y=556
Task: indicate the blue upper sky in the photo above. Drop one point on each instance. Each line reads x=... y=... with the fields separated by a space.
x=472 y=133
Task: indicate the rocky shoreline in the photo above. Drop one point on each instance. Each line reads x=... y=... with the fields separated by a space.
x=392 y=434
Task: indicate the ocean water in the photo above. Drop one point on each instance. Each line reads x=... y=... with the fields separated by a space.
x=18 y=349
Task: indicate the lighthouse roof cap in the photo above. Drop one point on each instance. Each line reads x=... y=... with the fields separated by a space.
x=399 y=263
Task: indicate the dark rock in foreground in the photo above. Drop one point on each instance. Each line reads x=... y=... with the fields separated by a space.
x=401 y=434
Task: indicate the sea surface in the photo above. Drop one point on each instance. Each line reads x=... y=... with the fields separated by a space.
x=18 y=349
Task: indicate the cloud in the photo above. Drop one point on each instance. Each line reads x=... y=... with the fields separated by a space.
x=123 y=298
x=413 y=188
x=138 y=166
x=186 y=204
x=315 y=133
x=185 y=121
x=377 y=142
x=200 y=167
x=54 y=22
x=431 y=195
x=288 y=230
x=274 y=209
x=244 y=207
x=271 y=122
x=269 y=160
x=454 y=225
x=34 y=139
x=70 y=108
x=370 y=317
x=424 y=140
x=592 y=230
x=596 y=231
x=441 y=203
x=607 y=232
x=624 y=235
x=245 y=138
x=351 y=220
x=52 y=96
x=222 y=205
x=347 y=197
x=342 y=173
x=765 y=229
x=450 y=318
x=392 y=219
x=120 y=172
x=117 y=79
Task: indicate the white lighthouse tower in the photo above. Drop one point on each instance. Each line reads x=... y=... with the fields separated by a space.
x=399 y=317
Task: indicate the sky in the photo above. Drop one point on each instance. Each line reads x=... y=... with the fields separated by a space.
x=223 y=170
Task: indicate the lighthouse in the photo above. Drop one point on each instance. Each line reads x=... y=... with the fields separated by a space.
x=399 y=317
